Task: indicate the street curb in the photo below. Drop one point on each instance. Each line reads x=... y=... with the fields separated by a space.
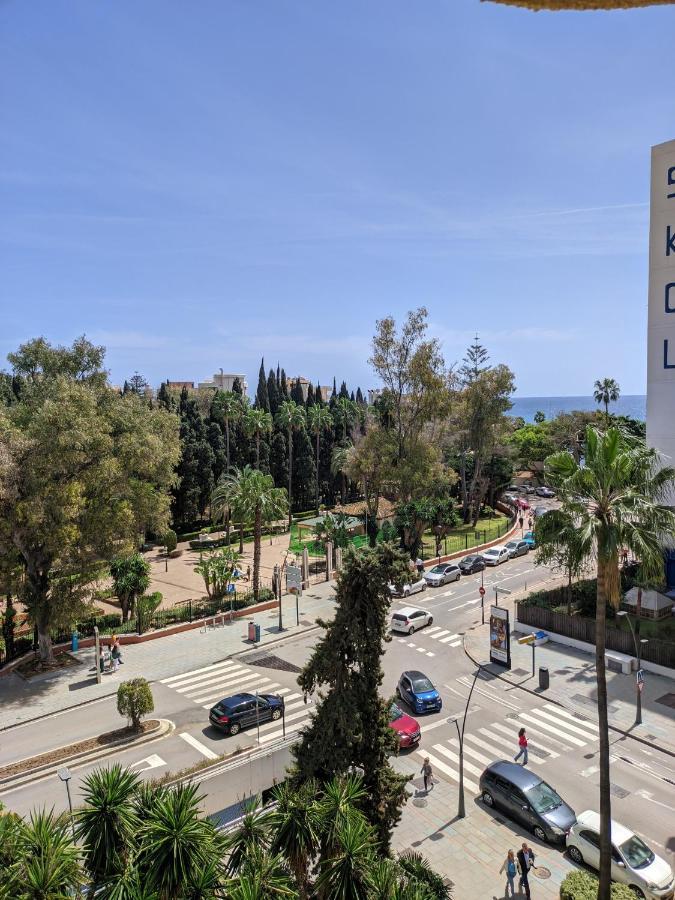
x=237 y=653
x=164 y=728
x=667 y=750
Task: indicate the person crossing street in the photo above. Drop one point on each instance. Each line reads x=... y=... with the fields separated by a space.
x=522 y=744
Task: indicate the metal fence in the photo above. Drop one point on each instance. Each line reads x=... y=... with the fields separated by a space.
x=456 y=543
x=662 y=653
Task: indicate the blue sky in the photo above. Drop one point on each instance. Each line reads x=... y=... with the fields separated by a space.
x=195 y=185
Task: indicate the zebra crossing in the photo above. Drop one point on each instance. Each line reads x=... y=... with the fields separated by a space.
x=443 y=636
x=209 y=684
x=551 y=731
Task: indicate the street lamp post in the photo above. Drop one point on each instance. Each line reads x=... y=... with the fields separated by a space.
x=638 y=642
x=65 y=776
x=461 y=811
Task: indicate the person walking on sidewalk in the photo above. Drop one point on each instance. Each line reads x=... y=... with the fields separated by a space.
x=522 y=744
x=509 y=866
x=427 y=774
x=525 y=863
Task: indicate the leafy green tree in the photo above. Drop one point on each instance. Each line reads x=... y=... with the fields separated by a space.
x=217 y=567
x=195 y=469
x=291 y=417
x=620 y=497
x=107 y=823
x=279 y=458
x=146 y=607
x=606 y=391
x=256 y=423
x=339 y=465
x=560 y=546
x=350 y=727
x=532 y=443
x=319 y=420
x=333 y=527
x=84 y=472
x=170 y=540
x=134 y=700
x=252 y=497
x=131 y=578
x=420 y=873
x=138 y=384
x=539 y=417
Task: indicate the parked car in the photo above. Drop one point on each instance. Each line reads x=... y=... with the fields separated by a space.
x=239 y=711
x=495 y=556
x=523 y=796
x=407 y=728
x=527 y=488
x=443 y=573
x=540 y=510
x=633 y=862
x=544 y=492
x=471 y=564
x=409 y=619
x=418 y=584
x=509 y=498
x=517 y=548
x=529 y=538
x=418 y=692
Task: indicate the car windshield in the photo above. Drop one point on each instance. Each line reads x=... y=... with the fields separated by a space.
x=470 y=560
x=636 y=853
x=512 y=545
x=395 y=712
x=491 y=552
x=542 y=797
x=422 y=684
x=438 y=570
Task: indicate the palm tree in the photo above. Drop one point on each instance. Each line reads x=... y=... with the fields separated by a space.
x=294 y=823
x=290 y=416
x=345 y=413
x=606 y=391
x=257 y=422
x=618 y=498
x=319 y=419
x=253 y=498
x=420 y=874
x=228 y=406
x=340 y=461
x=107 y=824
x=48 y=867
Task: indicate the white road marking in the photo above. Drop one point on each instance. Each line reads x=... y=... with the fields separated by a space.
x=219 y=672
x=538 y=724
x=512 y=734
x=587 y=723
x=564 y=724
x=212 y=668
x=442 y=767
x=151 y=762
x=439 y=748
x=193 y=742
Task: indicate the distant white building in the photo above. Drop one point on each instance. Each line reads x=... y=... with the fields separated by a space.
x=224 y=381
x=373 y=394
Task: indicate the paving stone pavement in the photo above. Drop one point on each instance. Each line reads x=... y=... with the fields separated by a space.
x=22 y=700
x=469 y=851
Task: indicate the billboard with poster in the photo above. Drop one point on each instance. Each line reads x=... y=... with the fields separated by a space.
x=500 y=636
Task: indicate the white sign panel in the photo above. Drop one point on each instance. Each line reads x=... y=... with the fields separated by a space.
x=661 y=320
x=293 y=578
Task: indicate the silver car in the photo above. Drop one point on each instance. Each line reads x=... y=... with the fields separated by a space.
x=443 y=573
x=517 y=548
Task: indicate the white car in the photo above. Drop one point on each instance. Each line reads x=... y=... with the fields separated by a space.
x=412 y=588
x=495 y=556
x=633 y=862
x=409 y=618
x=443 y=573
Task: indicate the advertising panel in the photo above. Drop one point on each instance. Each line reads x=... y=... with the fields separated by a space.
x=500 y=636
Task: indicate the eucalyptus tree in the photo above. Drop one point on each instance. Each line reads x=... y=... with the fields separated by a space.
x=256 y=423
x=291 y=416
x=620 y=497
x=606 y=391
x=319 y=420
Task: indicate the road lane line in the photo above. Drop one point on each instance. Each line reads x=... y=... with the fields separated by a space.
x=193 y=742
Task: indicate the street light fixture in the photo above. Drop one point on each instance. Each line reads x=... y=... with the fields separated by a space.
x=461 y=811
x=638 y=642
x=65 y=776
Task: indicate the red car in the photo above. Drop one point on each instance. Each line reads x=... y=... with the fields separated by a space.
x=407 y=729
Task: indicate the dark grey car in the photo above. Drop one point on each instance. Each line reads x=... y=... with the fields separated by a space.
x=525 y=797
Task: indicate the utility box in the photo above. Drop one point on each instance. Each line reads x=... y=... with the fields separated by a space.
x=543 y=678
x=253 y=632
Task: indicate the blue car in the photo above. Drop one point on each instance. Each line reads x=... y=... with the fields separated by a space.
x=528 y=537
x=418 y=692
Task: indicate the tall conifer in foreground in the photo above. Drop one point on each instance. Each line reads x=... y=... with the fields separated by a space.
x=350 y=727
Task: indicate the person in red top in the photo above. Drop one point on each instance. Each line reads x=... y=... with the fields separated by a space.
x=522 y=743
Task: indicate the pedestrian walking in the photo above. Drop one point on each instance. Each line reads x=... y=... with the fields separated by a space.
x=522 y=744
x=525 y=863
x=520 y=522
x=510 y=868
x=115 y=655
x=427 y=774
x=529 y=523
x=420 y=566
x=101 y=659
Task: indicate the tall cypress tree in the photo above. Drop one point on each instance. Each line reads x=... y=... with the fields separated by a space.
x=334 y=395
x=350 y=727
x=273 y=393
x=359 y=397
x=310 y=394
x=283 y=387
x=318 y=396
x=262 y=400
x=164 y=398
x=343 y=390
x=278 y=459
x=296 y=392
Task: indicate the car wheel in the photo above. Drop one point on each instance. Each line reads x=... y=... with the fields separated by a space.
x=487 y=799
x=235 y=728
x=430 y=620
x=575 y=855
x=540 y=834
x=411 y=630
x=406 y=592
x=637 y=891
x=398 y=693
x=276 y=714
x=457 y=576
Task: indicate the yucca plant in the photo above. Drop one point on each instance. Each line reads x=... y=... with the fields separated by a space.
x=253 y=832
x=295 y=828
x=346 y=873
x=48 y=867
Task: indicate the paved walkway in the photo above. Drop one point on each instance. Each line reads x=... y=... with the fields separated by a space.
x=469 y=851
x=572 y=684
x=21 y=700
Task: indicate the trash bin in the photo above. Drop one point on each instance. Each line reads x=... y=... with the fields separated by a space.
x=257 y=634
x=74 y=642
x=251 y=631
x=543 y=678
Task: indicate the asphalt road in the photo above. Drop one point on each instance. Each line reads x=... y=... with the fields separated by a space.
x=563 y=746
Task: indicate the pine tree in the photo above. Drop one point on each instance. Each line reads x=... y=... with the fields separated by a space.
x=164 y=398
x=126 y=388
x=350 y=727
x=273 y=393
x=195 y=470
x=262 y=400
x=473 y=363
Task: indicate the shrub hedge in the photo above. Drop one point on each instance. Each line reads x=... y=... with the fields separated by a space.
x=582 y=885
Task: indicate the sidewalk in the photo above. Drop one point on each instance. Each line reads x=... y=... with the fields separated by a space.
x=22 y=700
x=470 y=851
x=572 y=684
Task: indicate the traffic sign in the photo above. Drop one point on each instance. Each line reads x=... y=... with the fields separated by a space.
x=481 y=591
